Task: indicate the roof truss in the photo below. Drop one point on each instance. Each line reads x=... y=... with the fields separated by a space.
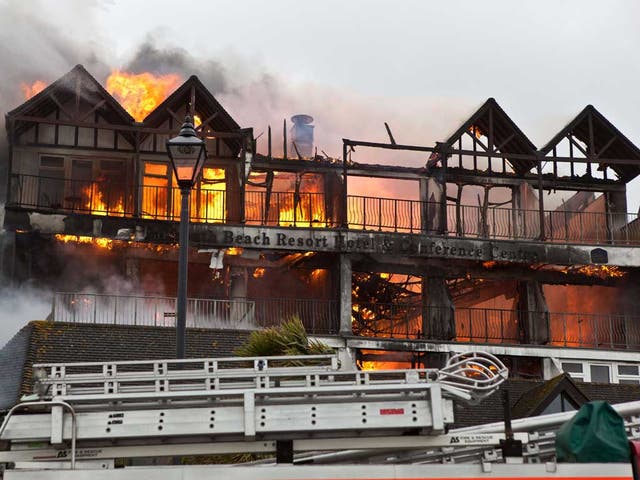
x=494 y=135
x=590 y=138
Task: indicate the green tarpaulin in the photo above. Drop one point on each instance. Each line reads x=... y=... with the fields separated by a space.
x=595 y=434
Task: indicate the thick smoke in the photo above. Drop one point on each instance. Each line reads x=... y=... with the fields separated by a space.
x=19 y=305
x=150 y=57
x=34 y=47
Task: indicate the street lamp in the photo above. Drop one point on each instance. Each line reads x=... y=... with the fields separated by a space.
x=187 y=153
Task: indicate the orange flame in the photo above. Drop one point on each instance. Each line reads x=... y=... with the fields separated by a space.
x=600 y=271
x=208 y=201
x=109 y=244
x=141 y=93
x=476 y=131
x=95 y=202
x=32 y=90
x=303 y=209
x=100 y=242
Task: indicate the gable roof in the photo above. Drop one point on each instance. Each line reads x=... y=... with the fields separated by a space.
x=607 y=141
x=75 y=82
x=205 y=105
x=534 y=401
x=491 y=409
x=57 y=342
x=507 y=136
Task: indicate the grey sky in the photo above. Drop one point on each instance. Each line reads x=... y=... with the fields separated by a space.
x=543 y=60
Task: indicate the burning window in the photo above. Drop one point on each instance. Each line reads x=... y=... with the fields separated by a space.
x=208 y=205
x=155 y=184
x=81 y=184
x=207 y=199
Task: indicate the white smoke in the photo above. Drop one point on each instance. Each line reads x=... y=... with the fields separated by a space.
x=20 y=305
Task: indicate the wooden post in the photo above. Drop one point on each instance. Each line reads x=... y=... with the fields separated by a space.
x=284 y=141
x=345 y=193
x=344 y=265
x=533 y=314
x=438 y=319
x=540 y=195
x=443 y=149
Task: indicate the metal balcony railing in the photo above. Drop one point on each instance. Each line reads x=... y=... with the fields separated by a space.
x=59 y=195
x=485 y=325
x=309 y=210
x=318 y=316
x=154 y=311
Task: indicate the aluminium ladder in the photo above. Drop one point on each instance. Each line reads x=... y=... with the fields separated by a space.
x=101 y=411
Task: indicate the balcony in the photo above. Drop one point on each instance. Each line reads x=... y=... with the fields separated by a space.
x=498 y=326
x=316 y=210
x=320 y=317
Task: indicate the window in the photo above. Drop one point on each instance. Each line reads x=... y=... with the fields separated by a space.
x=599 y=372
x=209 y=203
x=628 y=370
x=628 y=374
x=51 y=182
x=572 y=367
x=155 y=194
x=561 y=403
x=207 y=197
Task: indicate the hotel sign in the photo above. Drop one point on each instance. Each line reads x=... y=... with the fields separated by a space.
x=370 y=242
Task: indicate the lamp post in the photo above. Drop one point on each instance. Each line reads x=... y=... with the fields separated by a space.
x=187 y=153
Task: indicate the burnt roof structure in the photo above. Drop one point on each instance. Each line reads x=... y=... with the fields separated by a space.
x=504 y=137
x=595 y=138
x=200 y=102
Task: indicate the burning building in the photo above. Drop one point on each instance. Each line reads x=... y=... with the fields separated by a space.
x=526 y=251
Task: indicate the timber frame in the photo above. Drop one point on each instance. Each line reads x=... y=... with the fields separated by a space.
x=516 y=240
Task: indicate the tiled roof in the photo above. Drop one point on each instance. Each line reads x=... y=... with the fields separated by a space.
x=54 y=342
x=12 y=362
x=491 y=409
x=534 y=401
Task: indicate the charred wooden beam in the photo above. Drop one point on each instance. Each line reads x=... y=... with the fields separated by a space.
x=118 y=128
x=391 y=139
x=92 y=110
x=204 y=124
